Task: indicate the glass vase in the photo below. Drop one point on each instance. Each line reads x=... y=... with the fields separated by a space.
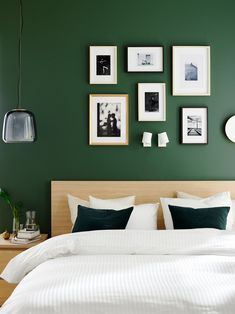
x=15 y=225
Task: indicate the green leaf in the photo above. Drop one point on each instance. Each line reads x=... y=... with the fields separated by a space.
x=14 y=207
x=5 y=196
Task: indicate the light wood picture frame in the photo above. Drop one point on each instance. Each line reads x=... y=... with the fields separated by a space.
x=108 y=119
x=191 y=71
x=103 y=64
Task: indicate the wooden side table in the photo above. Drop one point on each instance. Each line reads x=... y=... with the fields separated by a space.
x=9 y=250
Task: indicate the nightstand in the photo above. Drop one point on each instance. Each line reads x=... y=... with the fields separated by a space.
x=7 y=251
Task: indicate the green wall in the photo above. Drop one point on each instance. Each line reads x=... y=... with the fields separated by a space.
x=56 y=38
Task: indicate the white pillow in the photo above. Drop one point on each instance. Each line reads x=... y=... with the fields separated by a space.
x=231 y=214
x=143 y=217
x=233 y=208
x=220 y=199
x=113 y=203
x=73 y=206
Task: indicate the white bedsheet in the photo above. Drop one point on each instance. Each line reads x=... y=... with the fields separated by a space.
x=126 y=272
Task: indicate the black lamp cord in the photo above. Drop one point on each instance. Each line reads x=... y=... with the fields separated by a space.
x=20 y=52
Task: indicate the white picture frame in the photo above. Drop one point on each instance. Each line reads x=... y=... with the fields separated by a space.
x=194 y=125
x=151 y=101
x=191 y=71
x=145 y=59
x=108 y=119
x=103 y=65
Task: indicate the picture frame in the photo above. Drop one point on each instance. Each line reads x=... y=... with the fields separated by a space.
x=145 y=59
x=103 y=64
x=191 y=71
x=108 y=119
x=194 y=125
x=151 y=102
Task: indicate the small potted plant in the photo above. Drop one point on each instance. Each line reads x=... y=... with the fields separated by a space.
x=15 y=208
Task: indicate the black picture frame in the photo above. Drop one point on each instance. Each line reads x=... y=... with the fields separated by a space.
x=146 y=70
x=197 y=128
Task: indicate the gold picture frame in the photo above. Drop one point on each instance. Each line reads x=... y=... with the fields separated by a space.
x=108 y=119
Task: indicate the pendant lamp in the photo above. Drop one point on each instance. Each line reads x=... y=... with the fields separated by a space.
x=19 y=124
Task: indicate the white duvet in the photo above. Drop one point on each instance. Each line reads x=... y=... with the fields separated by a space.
x=126 y=272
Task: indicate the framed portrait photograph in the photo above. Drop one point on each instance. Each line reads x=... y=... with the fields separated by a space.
x=191 y=71
x=152 y=102
x=108 y=119
x=194 y=125
x=103 y=65
x=145 y=59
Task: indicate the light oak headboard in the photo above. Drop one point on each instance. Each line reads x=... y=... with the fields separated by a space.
x=145 y=191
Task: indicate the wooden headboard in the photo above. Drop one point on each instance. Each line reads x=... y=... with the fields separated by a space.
x=145 y=191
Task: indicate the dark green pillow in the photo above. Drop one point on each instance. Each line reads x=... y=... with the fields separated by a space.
x=191 y=218
x=89 y=219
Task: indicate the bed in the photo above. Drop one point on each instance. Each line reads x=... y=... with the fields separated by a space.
x=126 y=271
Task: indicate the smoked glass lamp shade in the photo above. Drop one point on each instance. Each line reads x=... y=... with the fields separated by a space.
x=19 y=127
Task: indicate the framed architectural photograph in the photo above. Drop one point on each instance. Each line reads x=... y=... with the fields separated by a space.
x=191 y=71
x=152 y=102
x=194 y=125
x=145 y=59
x=103 y=65
x=108 y=119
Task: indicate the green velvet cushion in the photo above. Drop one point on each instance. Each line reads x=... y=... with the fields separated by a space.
x=89 y=219
x=191 y=218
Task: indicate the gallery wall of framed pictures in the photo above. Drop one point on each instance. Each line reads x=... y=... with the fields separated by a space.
x=190 y=77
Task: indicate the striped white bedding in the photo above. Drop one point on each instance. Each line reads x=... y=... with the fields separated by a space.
x=126 y=272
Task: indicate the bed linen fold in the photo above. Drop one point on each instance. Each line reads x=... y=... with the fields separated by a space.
x=124 y=242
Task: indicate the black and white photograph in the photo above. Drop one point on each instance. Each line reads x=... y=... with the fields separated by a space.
x=108 y=119
x=194 y=124
x=103 y=65
x=145 y=59
x=191 y=71
x=151 y=101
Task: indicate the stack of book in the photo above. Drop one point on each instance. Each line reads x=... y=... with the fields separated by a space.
x=24 y=236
